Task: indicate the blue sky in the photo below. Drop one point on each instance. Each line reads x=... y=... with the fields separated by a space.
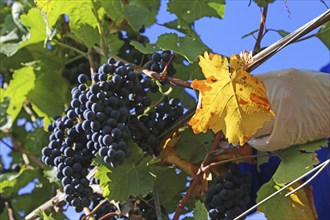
x=224 y=35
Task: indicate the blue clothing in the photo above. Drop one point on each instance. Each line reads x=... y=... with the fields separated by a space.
x=321 y=183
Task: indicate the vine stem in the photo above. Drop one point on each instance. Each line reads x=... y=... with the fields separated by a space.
x=164 y=73
x=11 y=213
x=111 y=214
x=261 y=29
x=206 y=168
x=322 y=165
x=19 y=148
x=70 y=47
x=157 y=204
x=91 y=62
x=95 y=209
x=173 y=81
x=88 y=213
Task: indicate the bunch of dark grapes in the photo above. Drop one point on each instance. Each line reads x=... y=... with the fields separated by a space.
x=158 y=62
x=95 y=121
x=146 y=128
x=229 y=195
x=67 y=151
x=128 y=52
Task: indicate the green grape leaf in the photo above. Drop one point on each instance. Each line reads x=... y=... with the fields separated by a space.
x=12 y=182
x=182 y=26
x=5 y=121
x=15 y=61
x=263 y=3
x=169 y=185
x=186 y=99
x=4 y=216
x=193 y=147
x=324 y=34
x=296 y=161
x=145 y=49
x=200 y=211
x=83 y=22
x=48 y=100
x=296 y=206
x=112 y=11
x=261 y=160
x=189 y=11
x=43 y=215
x=114 y=43
x=250 y=33
x=188 y=72
x=37 y=27
x=282 y=33
x=102 y=175
x=126 y=180
x=8 y=24
x=35 y=141
x=23 y=81
x=188 y=47
x=27 y=202
x=87 y=34
x=140 y=12
x=135 y=15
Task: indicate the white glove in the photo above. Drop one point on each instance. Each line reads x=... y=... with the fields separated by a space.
x=301 y=102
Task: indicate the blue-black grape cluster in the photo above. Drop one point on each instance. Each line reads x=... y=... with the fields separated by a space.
x=14 y=168
x=158 y=62
x=146 y=128
x=229 y=195
x=67 y=151
x=95 y=122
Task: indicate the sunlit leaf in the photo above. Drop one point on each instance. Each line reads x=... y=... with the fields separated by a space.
x=296 y=161
x=295 y=206
x=234 y=102
x=23 y=81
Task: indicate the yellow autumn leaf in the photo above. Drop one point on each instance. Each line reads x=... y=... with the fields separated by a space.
x=232 y=101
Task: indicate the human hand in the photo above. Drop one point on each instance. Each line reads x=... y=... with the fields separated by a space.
x=301 y=102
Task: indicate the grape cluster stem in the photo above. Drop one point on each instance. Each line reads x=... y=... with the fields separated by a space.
x=172 y=80
x=95 y=209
